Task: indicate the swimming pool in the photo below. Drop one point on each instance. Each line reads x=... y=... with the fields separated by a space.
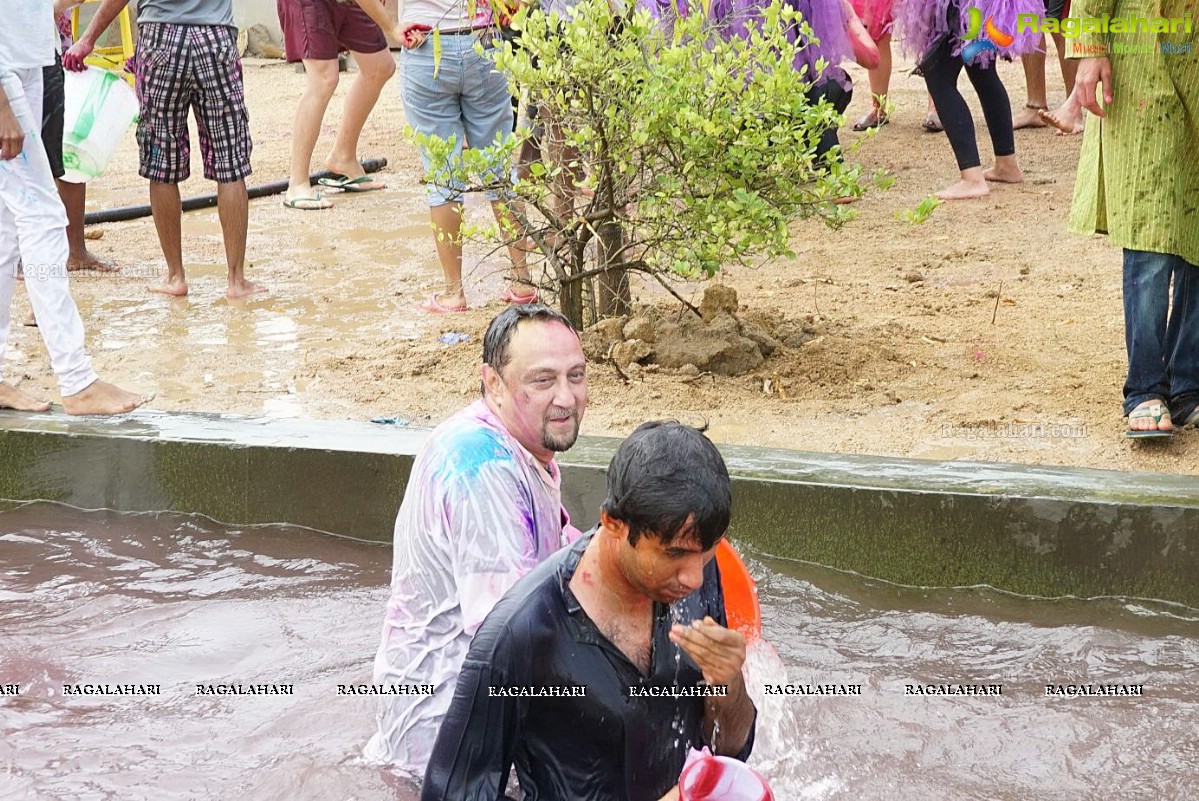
x=161 y=599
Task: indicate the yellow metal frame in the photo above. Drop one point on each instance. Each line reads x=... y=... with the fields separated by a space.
x=110 y=58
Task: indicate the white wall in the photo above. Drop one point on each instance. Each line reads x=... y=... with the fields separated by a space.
x=256 y=12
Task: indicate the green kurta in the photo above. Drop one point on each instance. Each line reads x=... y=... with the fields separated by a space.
x=1138 y=173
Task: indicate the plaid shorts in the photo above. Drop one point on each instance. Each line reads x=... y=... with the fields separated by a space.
x=181 y=67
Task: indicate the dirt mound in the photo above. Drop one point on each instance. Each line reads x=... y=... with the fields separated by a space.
x=721 y=340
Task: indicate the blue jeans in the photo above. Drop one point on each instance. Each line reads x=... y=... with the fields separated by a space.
x=1162 y=338
x=467 y=100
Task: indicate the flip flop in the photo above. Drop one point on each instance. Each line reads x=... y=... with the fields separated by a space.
x=433 y=306
x=510 y=297
x=1192 y=420
x=314 y=203
x=347 y=184
x=932 y=124
x=1154 y=410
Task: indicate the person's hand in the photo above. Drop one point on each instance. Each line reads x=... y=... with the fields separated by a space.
x=12 y=138
x=73 y=58
x=719 y=652
x=410 y=34
x=1091 y=73
x=673 y=795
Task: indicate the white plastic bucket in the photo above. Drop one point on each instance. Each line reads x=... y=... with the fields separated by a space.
x=722 y=778
x=99 y=109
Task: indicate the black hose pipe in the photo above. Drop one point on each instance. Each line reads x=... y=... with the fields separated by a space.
x=208 y=201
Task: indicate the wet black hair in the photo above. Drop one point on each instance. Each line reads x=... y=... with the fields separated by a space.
x=504 y=325
x=668 y=480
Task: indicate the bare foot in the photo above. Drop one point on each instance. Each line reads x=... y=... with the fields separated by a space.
x=1152 y=415
x=1004 y=175
x=1029 y=117
x=353 y=170
x=101 y=397
x=89 y=261
x=244 y=289
x=965 y=190
x=1066 y=119
x=174 y=286
x=13 y=398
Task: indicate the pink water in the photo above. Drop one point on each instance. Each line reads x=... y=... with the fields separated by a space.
x=104 y=598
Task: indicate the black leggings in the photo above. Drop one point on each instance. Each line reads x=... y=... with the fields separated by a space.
x=941 y=69
x=829 y=89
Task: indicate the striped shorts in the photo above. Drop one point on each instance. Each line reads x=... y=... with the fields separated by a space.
x=182 y=67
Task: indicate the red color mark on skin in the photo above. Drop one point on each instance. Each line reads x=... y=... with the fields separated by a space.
x=705 y=780
x=586 y=576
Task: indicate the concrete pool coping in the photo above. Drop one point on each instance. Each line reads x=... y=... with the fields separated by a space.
x=1044 y=531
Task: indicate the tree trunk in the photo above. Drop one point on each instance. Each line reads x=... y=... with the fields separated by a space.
x=613 y=283
x=570 y=301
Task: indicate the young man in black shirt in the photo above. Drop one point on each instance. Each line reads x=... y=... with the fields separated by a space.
x=599 y=670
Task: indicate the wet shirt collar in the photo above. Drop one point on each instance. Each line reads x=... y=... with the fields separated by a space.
x=550 y=475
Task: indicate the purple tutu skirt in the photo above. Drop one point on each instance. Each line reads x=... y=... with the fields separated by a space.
x=922 y=24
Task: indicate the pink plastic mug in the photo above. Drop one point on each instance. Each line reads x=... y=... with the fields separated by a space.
x=719 y=778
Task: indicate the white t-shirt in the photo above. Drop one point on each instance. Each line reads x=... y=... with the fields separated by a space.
x=27 y=34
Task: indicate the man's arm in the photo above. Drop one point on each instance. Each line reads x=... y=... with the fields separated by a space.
x=1094 y=69
x=377 y=11
x=12 y=138
x=408 y=35
x=720 y=652
x=105 y=14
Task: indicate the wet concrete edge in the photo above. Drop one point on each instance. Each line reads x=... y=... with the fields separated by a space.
x=1033 y=530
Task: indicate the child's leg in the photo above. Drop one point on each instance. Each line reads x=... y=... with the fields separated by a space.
x=998 y=113
x=832 y=89
x=880 y=85
x=941 y=69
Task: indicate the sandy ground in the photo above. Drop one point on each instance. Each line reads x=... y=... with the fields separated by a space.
x=986 y=333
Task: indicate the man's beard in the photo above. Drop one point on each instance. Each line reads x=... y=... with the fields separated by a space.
x=558 y=444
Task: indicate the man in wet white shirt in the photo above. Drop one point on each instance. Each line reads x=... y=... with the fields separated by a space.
x=482 y=508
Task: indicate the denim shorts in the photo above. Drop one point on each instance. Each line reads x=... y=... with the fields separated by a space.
x=468 y=100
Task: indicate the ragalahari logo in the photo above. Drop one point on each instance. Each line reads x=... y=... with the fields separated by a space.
x=994 y=38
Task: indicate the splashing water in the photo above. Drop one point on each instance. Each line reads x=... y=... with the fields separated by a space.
x=782 y=752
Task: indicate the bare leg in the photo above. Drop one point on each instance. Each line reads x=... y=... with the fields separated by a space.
x=233 y=207
x=167 y=209
x=1034 y=84
x=520 y=283
x=74 y=199
x=374 y=71
x=1069 y=117
x=1069 y=66
x=972 y=185
x=100 y=397
x=13 y=398
x=880 y=85
x=319 y=85
x=447 y=228
x=932 y=123
x=1005 y=171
